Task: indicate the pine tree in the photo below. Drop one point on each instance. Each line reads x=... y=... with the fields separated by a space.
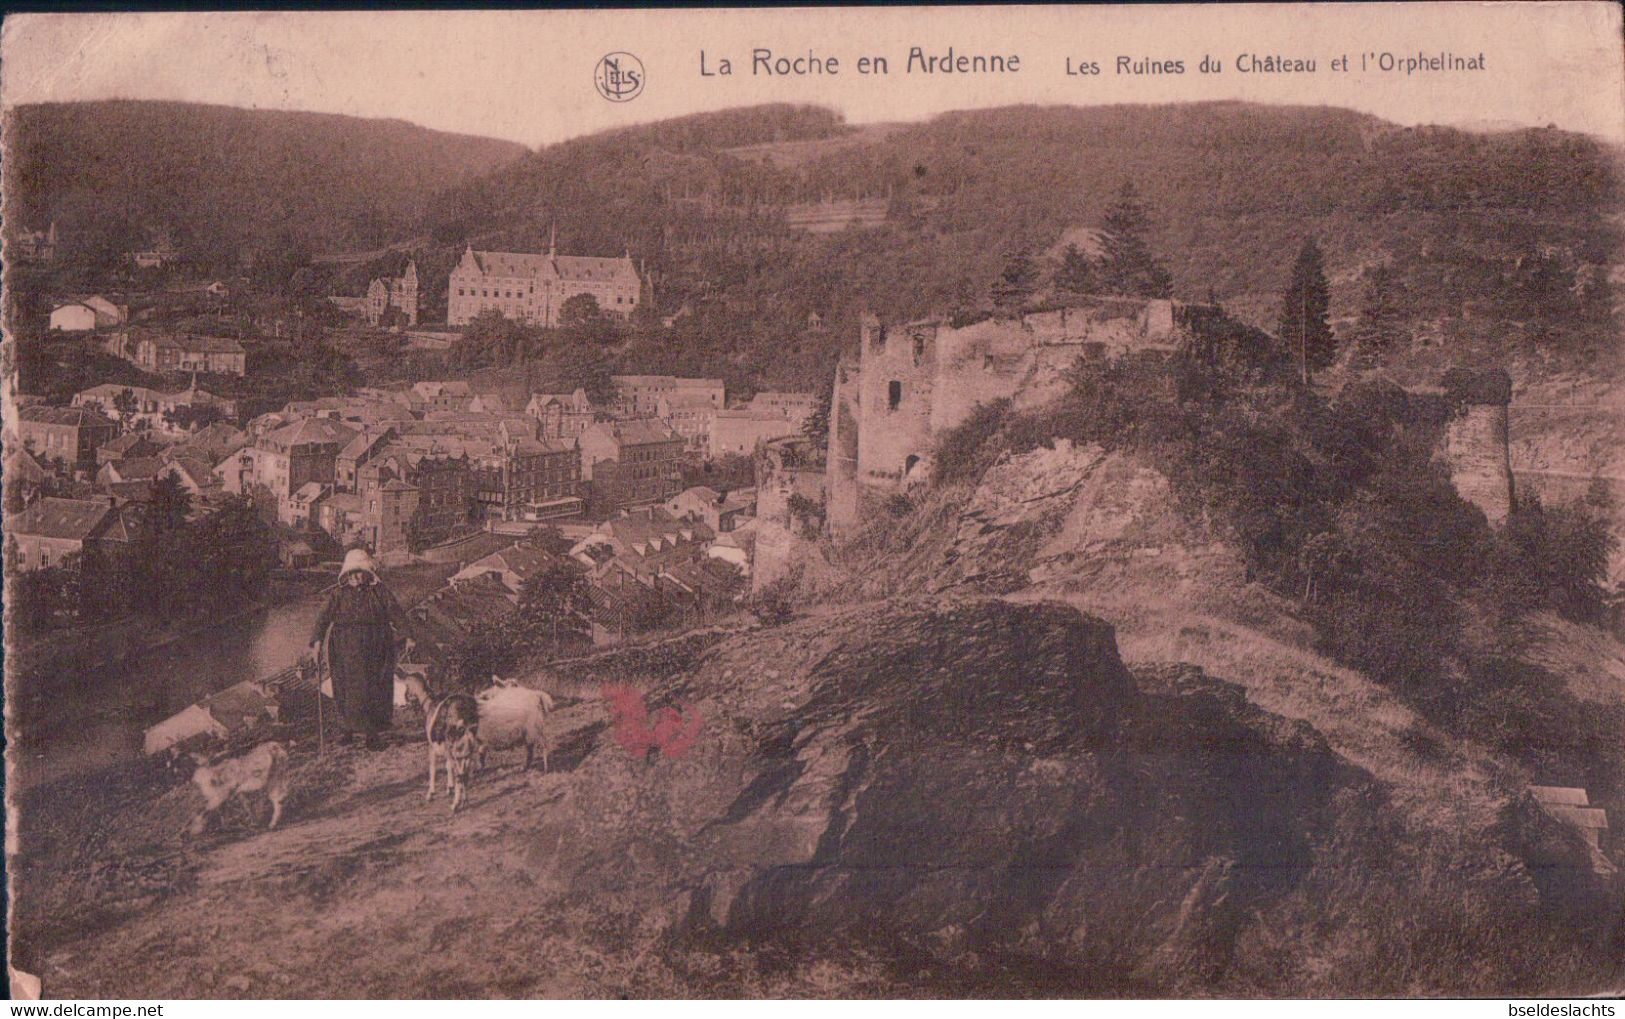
x=1381 y=323
x=1129 y=267
x=1016 y=284
x=1304 y=330
x=169 y=506
x=1076 y=274
x=815 y=429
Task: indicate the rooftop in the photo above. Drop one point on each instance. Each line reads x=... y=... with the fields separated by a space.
x=50 y=517
x=194 y=343
x=308 y=432
x=636 y=431
x=77 y=417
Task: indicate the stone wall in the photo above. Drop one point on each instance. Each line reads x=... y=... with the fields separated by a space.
x=916 y=380
x=779 y=545
x=841 y=470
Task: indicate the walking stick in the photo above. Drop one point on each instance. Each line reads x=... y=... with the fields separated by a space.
x=321 y=728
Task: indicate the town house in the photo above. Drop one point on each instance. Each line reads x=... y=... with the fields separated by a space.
x=68 y=434
x=187 y=352
x=631 y=462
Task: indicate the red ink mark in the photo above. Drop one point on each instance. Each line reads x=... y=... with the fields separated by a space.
x=669 y=731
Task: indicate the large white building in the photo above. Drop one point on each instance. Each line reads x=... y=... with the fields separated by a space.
x=533 y=288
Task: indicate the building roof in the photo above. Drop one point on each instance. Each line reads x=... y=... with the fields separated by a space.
x=614 y=608
x=77 y=417
x=365 y=440
x=666 y=382
x=635 y=431
x=1560 y=796
x=51 y=517
x=444 y=617
x=126 y=442
x=347 y=502
x=1580 y=817
x=571 y=268
x=522 y=561
x=585 y=268
x=576 y=401
x=215 y=441
x=137 y=490
x=683 y=399
x=432 y=388
x=240 y=706
x=310 y=431
x=742 y=537
x=310 y=491
x=136 y=468
x=194 y=343
x=397 y=485
x=506 y=263
x=647 y=530
x=21 y=466
x=121 y=526
x=193 y=470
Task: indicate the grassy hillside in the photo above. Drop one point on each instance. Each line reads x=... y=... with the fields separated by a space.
x=223 y=180
x=972 y=798
x=1497 y=242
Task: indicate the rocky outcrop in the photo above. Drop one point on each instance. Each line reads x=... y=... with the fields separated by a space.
x=1053 y=518
x=989 y=780
x=1475 y=451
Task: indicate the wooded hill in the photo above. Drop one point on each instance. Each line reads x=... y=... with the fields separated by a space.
x=1501 y=239
x=224 y=182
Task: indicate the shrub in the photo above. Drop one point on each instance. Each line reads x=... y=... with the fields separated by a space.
x=1550 y=558
x=966 y=451
x=898 y=505
x=1463 y=386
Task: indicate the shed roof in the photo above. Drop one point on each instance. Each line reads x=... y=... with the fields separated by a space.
x=1580 y=817
x=1559 y=796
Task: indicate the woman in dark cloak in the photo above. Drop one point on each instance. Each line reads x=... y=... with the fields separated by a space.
x=356 y=625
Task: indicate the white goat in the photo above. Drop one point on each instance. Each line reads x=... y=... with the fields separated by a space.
x=263 y=768
x=511 y=714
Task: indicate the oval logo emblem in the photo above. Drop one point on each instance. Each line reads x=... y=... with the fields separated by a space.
x=619 y=77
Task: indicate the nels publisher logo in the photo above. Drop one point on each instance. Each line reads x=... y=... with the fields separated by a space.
x=619 y=77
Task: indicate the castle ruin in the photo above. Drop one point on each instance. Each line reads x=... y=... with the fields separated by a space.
x=914 y=381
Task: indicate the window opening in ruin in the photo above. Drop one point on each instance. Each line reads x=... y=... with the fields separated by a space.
x=909 y=464
x=894 y=394
x=919 y=347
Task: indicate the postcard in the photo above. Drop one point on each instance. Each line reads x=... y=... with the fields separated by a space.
x=845 y=503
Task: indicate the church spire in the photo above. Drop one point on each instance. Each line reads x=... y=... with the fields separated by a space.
x=553 y=239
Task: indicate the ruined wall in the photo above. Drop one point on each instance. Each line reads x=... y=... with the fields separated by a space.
x=841 y=471
x=897 y=381
x=1476 y=453
x=780 y=545
x=914 y=381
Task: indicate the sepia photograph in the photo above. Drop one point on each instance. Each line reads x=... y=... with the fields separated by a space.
x=1117 y=502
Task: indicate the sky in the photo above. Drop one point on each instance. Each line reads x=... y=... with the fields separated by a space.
x=529 y=76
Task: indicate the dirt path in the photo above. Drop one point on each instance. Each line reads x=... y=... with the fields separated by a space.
x=366 y=889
